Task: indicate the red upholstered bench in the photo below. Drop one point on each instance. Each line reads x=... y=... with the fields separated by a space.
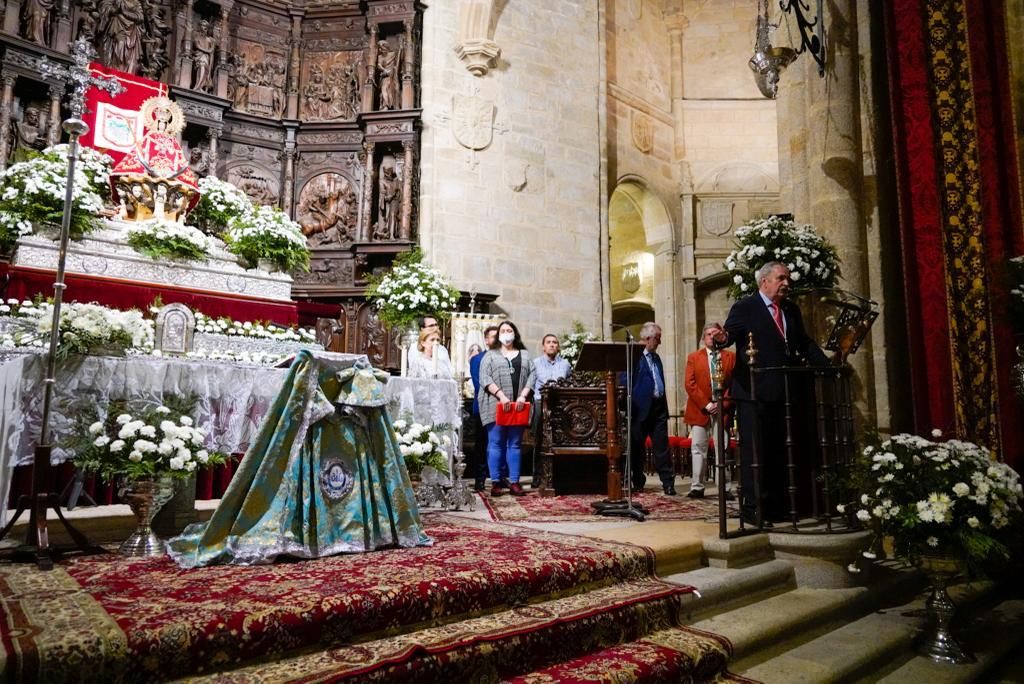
x=678 y=449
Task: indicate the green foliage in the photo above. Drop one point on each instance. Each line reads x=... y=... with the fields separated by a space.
x=268 y=233
x=169 y=240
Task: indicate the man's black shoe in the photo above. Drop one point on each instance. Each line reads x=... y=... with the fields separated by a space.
x=669 y=489
x=695 y=494
x=752 y=521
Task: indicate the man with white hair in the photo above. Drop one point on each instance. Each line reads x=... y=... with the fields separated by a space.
x=781 y=340
x=650 y=412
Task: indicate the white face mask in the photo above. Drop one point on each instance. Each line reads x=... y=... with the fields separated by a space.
x=507 y=338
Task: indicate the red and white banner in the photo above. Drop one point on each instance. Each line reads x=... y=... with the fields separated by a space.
x=114 y=122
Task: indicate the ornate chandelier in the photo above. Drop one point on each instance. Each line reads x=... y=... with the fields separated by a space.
x=768 y=62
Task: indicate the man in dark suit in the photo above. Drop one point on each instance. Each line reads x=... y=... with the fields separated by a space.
x=781 y=340
x=650 y=412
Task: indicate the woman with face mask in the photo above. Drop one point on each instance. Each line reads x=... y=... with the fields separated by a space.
x=506 y=378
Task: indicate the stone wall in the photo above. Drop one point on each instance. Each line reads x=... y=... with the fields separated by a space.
x=520 y=216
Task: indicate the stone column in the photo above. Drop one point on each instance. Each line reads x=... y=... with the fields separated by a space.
x=185 y=63
x=835 y=171
x=676 y=24
x=408 y=67
x=369 y=179
x=405 y=230
x=292 y=107
x=221 y=87
x=5 y=113
x=290 y=151
x=371 y=70
x=213 y=149
x=53 y=132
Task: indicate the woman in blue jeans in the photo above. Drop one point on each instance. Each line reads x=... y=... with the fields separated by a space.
x=506 y=377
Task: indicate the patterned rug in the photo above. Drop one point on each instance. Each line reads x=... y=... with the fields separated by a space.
x=577 y=508
x=146 y=619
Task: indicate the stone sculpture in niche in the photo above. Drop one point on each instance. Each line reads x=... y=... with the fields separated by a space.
x=388 y=59
x=389 y=201
x=327 y=211
x=155 y=44
x=88 y=17
x=202 y=56
x=121 y=29
x=199 y=161
x=27 y=135
x=35 y=20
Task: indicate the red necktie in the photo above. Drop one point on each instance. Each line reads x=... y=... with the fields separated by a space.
x=777 y=315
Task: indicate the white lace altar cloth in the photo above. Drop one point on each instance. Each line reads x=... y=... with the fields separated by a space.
x=231 y=400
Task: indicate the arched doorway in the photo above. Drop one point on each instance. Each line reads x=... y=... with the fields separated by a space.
x=639 y=230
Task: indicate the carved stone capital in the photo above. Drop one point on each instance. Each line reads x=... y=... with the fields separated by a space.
x=478 y=54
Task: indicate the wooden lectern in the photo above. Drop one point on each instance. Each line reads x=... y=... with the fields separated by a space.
x=610 y=358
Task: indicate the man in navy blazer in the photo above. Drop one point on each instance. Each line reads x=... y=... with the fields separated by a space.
x=781 y=340
x=650 y=412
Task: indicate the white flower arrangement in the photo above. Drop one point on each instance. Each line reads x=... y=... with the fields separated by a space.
x=84 y=329
x=149 y=443
x=162 y=239
x=812 y=261
x=421 y=446
x=219 y=203
x=931 y=497
x=32 y=193
x=409 y=290
x=268 y=233
x=258 y=329
x=572 y=343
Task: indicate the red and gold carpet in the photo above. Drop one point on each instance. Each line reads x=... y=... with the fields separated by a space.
x=485 y=595
x=577 y=508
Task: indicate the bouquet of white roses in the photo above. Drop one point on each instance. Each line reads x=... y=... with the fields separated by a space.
x=155 y=441
x=268 y=233
x=32 y=193
x=812 y=261
x=936 y=497
x=162 y=239
x=411 y=289
x=219 y=203
x=421 y=446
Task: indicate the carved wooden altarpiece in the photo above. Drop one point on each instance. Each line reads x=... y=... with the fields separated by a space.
x=309 y=106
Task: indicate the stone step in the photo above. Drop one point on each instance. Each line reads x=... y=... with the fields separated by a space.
x=729 y=588
x=862 y=650
x=991 y=636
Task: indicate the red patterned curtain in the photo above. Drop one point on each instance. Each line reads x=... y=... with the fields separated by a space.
x=960 y=214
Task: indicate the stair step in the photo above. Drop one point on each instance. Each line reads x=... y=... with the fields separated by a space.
x=781 y=621
x=502 y=643
x=728 y=588
x=859 y=650
x=677 y=654
x=991 y=636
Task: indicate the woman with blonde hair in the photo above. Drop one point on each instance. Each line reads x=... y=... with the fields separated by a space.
x=432 y=361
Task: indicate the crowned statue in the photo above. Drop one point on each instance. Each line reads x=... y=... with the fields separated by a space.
x=154 y=179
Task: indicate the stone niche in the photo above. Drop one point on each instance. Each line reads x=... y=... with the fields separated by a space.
x=310 y=106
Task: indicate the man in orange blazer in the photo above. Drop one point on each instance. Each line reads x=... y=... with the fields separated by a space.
x=702 y=412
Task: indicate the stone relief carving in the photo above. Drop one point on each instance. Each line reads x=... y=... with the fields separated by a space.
x=332 y=87
x=339 y=137
x=372 y=335
x=328 y=210
x=389 y=201
x=327 y=272
x=122 y=27
x=199 y=161
x=472 y=121
x=389 y=56
x=257 y=80
x=388 y=127
x=393 y=8
x=642 y=130
x=194 y=110
x=334 y=44
x=255 y=132
x=717 y=217
x=258 y=183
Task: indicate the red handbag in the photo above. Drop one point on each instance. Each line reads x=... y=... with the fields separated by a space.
x=513 y=417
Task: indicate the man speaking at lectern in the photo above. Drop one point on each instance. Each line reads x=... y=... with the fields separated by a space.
x=780 y=340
